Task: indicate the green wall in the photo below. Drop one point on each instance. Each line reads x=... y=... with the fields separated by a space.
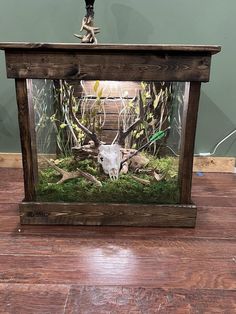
x=133 y=21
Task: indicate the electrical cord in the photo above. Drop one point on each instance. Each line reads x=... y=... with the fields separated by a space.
x=214 y=149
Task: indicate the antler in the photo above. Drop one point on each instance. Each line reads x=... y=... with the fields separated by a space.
x=91 y=135
x=87 y=25
x=121 y=136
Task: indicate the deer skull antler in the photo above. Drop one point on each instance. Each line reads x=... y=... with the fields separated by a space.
x=109 y=156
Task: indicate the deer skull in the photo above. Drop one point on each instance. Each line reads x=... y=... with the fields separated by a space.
x=110 y=157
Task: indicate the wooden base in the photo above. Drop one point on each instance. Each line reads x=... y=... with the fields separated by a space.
x=108 y=214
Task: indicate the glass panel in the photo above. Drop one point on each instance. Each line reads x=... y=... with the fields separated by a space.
x=108 y=141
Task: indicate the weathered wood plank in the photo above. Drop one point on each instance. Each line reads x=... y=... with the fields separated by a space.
x=212 y=49
x=108 y=136
x=187 y=142
x=111 y=106
x=111 y=89
x=212 y=223
x=108 y=66
x=28 y=148
x=108 y=214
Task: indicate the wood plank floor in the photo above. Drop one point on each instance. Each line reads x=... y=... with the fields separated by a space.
x=56 y=269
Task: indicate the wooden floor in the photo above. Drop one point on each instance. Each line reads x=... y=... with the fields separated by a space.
x=121 y=270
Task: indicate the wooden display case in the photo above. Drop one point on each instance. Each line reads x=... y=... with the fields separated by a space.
x=169 y=63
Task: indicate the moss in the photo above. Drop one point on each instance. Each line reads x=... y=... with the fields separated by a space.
x=168 y=166
x=123 y=190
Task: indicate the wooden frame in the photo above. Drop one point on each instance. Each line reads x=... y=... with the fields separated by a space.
x=108 y=62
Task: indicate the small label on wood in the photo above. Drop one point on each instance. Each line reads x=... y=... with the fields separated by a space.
x=37 y=213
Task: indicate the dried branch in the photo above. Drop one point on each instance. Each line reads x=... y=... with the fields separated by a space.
x=123 y=134
x=76 y=121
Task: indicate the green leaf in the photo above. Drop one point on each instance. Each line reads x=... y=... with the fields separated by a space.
x=141 y=132
x=96 y=85
x=143 y=85
x=63 y=125
x=53 y=117
x=100 y=93
x=157 y=99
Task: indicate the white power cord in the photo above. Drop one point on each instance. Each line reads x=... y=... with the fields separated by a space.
x=217 y=145
x=214 y=149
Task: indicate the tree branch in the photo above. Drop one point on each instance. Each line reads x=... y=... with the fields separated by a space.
x=76 y=121
x=123 y=134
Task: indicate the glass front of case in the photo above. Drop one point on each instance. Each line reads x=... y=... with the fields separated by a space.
x=108 y=141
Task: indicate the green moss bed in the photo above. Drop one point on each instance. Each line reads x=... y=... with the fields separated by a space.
x=124 y=190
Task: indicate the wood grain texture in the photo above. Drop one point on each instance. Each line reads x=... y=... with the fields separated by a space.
x=28 y=146
x=190 y=112
x=108 y=214
x=132 y=269
x=212 y=49
x=10 y=160
x=142 y=300
x=214 y=164
x=72 y=269
x=122 y=66
x=32 y=299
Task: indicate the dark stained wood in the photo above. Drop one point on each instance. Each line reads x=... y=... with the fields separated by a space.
x=100 y=65
x=212 y=49
x=212 y=222
x=108 y=214
x=28 y=146
x=189 y=119
x=32 y=129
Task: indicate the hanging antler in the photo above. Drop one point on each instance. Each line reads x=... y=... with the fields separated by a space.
x=121 y=136
x=88 y=25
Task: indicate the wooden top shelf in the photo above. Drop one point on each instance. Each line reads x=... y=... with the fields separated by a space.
x=209 y=49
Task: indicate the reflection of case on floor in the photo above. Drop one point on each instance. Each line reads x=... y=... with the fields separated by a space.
x=107 y=131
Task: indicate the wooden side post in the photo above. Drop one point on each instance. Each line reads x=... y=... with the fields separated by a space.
x=187 y=142
x=28 y=143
